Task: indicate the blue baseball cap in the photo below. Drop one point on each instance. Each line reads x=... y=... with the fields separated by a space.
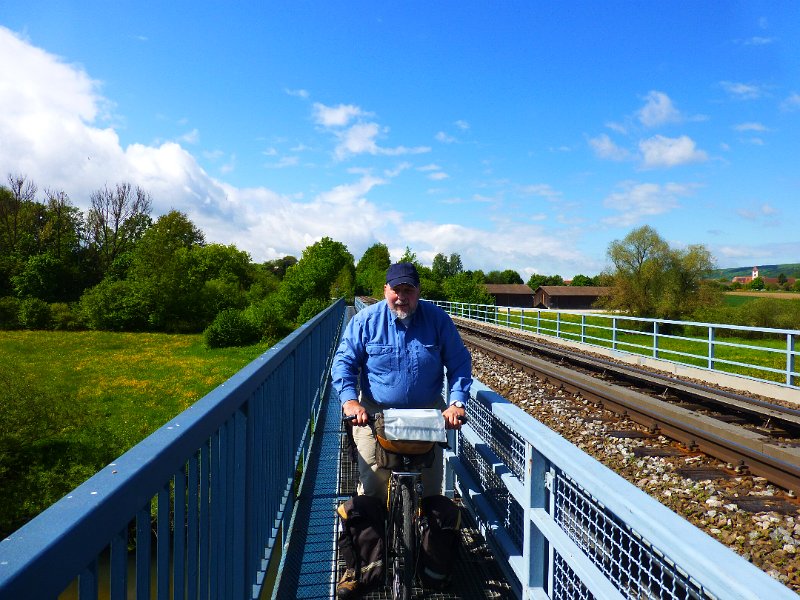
x=400 y=273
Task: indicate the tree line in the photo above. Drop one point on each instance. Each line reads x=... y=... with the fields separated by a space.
x=117 y=268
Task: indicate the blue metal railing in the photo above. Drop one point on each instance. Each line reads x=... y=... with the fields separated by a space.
x=564 y=526
x=756 y=353
x=203 y=499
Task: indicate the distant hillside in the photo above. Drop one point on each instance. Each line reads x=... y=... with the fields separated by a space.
x=790 y=270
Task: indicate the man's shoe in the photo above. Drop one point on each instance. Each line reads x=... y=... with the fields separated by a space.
x=347 y=588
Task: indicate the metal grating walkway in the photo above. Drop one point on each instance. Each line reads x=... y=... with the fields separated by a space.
x=311 y=567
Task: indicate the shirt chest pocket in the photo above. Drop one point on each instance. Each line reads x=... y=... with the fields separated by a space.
x=382 y=363
x=429 y=357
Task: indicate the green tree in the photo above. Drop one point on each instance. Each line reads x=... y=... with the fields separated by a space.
x=278 y=266
x=535 y=281
x=409 y=257
x=311 y=280
x=117 y=219
x=465 y=287
x=650 y=279
x=757 y=284
x=371 y=271
x=508 y=277
x=582 y=280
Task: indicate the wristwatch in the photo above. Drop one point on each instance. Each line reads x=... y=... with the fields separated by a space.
x=457 y=404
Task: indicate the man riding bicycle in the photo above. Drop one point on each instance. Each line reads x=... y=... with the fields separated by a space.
x=394 y=354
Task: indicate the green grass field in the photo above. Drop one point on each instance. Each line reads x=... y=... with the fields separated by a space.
x=71 y=402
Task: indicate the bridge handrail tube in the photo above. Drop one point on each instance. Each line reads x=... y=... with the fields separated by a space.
x=720 y=571
x=40 y=559
x=788 y=374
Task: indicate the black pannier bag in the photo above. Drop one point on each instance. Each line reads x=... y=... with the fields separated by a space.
x=361 y=543
x=440 y=540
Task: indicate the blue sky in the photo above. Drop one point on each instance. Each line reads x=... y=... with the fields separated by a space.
x=523 y=135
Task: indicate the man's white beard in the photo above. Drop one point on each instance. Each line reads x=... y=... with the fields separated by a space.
x=402 y=312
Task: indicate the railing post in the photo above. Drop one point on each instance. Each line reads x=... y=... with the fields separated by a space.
x=711 y=338
x=538 y=320
x=613 y=333
x=655 y=339
x=508 y=316
x=558 y=324
x=534 y=546
x=583 y=328
x=790 y=358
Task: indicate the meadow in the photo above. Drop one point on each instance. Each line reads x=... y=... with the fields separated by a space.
x=74 y=401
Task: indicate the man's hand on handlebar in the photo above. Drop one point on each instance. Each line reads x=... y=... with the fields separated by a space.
x=353 y=408
x=453 y=417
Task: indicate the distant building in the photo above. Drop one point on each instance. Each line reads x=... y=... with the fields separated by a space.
x=567 y=297
x=745 y=280
x=510 y=294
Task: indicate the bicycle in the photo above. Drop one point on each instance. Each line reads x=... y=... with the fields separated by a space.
x=407 y=443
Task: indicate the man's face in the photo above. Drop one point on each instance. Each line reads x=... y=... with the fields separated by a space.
x=402 y=299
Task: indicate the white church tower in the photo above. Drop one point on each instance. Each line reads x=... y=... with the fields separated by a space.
x=755 y=272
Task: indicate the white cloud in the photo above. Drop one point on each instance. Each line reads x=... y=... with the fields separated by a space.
x=660 y=151
x=635 y=202
x=462 y=125
x=758 y=40
x=283 y=162
x=430 y=167
x=190 y=137
x=336 y=116
x=540 y=189
x=605 y=148
x=750 y=127
x=658 y=110
x=300 y=93
x=438 y=176
x=444 y=138
x=742 y=91
x=792 y=102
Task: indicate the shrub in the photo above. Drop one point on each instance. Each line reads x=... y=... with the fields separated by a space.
x=310 y=308
x=65 y=318
x=35 y=314
x=9 y=313
x=267 y=317
x=231 y=328
x=114 y=306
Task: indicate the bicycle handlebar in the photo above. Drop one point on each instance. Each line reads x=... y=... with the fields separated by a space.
x=347 y=418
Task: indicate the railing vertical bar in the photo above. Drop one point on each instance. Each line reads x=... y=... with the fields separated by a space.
x=790 y=358
x=87 y=582
x=179 y=548
x=118 y=566
x=204 y=583
x=163 y=544
x=238 y=506
x=193 y=527
x=143 y=553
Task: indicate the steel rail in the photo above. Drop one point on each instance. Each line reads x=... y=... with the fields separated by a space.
x=744 y=449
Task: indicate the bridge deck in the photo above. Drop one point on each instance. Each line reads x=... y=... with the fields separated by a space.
x=311 y=566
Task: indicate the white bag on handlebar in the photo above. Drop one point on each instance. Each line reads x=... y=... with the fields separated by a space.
x=417 y=424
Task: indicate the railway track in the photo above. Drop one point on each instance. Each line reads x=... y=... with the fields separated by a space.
x=752 y=435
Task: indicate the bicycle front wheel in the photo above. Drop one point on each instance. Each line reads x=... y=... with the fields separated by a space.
x=403 y=576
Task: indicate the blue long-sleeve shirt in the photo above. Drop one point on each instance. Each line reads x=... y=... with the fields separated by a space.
x=401 y=367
